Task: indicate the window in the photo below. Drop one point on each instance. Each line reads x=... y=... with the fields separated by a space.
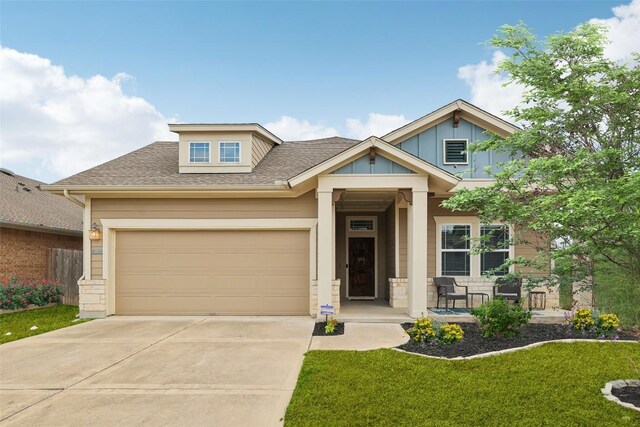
x=229 y=152
x=361 y=225
x=455 y=152
x=498 y=238
x=199 y=152
x=455 y=250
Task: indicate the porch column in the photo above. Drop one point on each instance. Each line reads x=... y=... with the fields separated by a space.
x=417 y=253
x=325 y=246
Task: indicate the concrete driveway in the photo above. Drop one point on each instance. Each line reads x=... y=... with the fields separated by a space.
x=222 y=371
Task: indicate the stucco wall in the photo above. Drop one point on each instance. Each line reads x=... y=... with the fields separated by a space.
x=24 y=253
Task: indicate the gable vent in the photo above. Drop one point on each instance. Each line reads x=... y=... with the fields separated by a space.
x=455 y=151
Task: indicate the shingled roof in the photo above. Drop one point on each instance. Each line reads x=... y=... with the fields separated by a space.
x=24 y=204
x=157 y=165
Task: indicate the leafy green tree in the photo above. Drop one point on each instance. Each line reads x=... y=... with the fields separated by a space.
x=575 y=182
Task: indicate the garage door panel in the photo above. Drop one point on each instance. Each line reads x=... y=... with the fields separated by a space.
x=212 y=272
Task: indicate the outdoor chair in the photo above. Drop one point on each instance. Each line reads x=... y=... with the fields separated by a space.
x=509 y=288
x=447 y=289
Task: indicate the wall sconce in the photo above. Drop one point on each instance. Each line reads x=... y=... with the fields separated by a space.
x=95 y=233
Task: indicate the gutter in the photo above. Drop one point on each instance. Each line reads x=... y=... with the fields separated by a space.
x=284 y=186
x=72 y=199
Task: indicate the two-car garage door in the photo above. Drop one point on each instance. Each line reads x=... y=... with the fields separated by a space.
x=222 y=272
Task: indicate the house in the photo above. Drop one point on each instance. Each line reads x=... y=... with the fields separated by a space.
x=32 y=221
x=233 y=220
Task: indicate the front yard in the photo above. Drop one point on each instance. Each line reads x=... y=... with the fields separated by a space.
x=555 y=384
x=14 y=326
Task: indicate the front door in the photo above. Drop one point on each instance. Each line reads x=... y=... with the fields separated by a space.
x=362 y=267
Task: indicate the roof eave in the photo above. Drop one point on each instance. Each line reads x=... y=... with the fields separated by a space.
x=226 y=127
x=40 y=228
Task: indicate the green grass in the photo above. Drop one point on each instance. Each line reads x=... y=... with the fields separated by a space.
x=555 y=384
x=46 y=319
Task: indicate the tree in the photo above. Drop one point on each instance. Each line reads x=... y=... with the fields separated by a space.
x=575 y=181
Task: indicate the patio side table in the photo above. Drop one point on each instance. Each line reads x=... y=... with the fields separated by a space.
x=482 y=297
x=537 y=300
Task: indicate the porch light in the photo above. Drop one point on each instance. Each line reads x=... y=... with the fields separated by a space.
x=95 y=232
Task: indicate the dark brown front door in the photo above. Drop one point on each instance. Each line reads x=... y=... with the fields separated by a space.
x=362 y=277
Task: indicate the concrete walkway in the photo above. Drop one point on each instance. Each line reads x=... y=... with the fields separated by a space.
x=363 y=336
x=155 y=371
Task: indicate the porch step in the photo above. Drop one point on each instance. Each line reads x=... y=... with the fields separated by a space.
x=374 y=319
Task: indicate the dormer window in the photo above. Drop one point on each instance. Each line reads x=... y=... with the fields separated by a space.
x=455 y=152
x=199 y=152
x=230 y=152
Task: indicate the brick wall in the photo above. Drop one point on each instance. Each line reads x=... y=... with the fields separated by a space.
x=24 y=253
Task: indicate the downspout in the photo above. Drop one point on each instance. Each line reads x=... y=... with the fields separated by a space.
x=71 y=198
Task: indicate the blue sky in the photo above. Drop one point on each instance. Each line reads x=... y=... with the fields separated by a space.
x=320 y=62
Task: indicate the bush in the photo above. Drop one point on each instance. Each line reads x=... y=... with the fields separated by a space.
x=330 y=327
x=586 y=321
x=448 y=334
x=499 y=318
x=20 y=293
x=425 y=331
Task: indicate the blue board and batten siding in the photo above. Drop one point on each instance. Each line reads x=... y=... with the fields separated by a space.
x=428 y=145
x=363 y=165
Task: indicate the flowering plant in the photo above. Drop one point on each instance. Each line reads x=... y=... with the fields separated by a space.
x=18 y=293
x=449 y=334
x=425 y=330
x=586 y=321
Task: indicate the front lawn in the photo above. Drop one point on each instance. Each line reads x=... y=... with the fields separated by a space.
x=45 y=319
x=555 y=384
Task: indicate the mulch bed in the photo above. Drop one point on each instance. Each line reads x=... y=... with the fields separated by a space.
x=318 y=330
x=629 y=394
x=474 y=343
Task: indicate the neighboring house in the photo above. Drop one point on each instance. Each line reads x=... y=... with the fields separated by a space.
x=32 y=221
x=233 y=220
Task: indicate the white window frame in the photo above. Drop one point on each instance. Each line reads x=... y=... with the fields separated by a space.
x=199 y=142
x=441 y=250
x=239 y=152
x=475 y=234
x=444 y=151
x=507 y=250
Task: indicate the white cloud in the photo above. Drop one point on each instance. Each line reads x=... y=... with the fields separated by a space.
x=376 y=124
x=55 y=125
x=487 y=88
x=488 y=92
x=292 y=129
x=624 y=31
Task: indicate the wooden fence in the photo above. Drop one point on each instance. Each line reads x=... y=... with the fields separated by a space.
x=65 y=267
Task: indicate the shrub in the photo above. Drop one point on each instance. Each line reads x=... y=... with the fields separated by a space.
x=608 y=322
x=19 y=293
x=585 y=320
x=448 y=334
x=499 y=318
x=330 y=327
x=425 y=330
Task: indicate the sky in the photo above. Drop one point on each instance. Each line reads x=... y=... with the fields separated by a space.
x=84 y=82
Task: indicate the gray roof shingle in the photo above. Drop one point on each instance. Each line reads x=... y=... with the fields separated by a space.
x=22 y=202
x=157 y=165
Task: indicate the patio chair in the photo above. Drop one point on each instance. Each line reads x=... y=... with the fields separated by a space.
x=509 y=288
x=447 y=289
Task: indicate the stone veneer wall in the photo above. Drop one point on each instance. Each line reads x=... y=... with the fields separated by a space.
x=93 y=299
x=398 y=292
x=482 y=285
x=335 y=296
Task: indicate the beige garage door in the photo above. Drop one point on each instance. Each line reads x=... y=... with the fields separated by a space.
x=212 y=272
